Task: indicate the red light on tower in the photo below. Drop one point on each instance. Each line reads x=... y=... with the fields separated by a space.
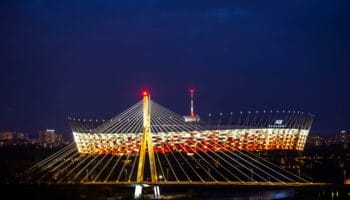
x=191 y=90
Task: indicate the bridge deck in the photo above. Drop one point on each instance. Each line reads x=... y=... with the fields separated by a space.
x=231 y=183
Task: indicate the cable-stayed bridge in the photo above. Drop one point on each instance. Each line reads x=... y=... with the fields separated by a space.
x=149 y=144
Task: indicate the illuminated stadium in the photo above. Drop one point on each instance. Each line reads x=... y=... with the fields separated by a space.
x=264 y=130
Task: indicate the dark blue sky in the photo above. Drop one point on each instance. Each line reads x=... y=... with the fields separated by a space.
x=92 y=58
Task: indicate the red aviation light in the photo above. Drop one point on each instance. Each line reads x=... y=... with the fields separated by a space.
x=145 y=93
x=191 y=90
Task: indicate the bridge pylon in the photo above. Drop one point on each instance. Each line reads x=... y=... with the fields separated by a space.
x=146 y=143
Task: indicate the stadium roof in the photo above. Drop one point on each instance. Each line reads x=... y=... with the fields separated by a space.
x=164 y=120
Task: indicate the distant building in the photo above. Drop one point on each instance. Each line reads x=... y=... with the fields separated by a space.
x=316 y=141
x=48 y=136
x=19 y=136
x=60 y=139
x=8 y=135
x=46 y=139
x=342 y=138
x=11 y=135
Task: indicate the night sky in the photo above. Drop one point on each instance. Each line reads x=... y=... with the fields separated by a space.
x=92 y=59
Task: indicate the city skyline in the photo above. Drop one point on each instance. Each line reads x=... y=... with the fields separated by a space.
x=68 y=59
